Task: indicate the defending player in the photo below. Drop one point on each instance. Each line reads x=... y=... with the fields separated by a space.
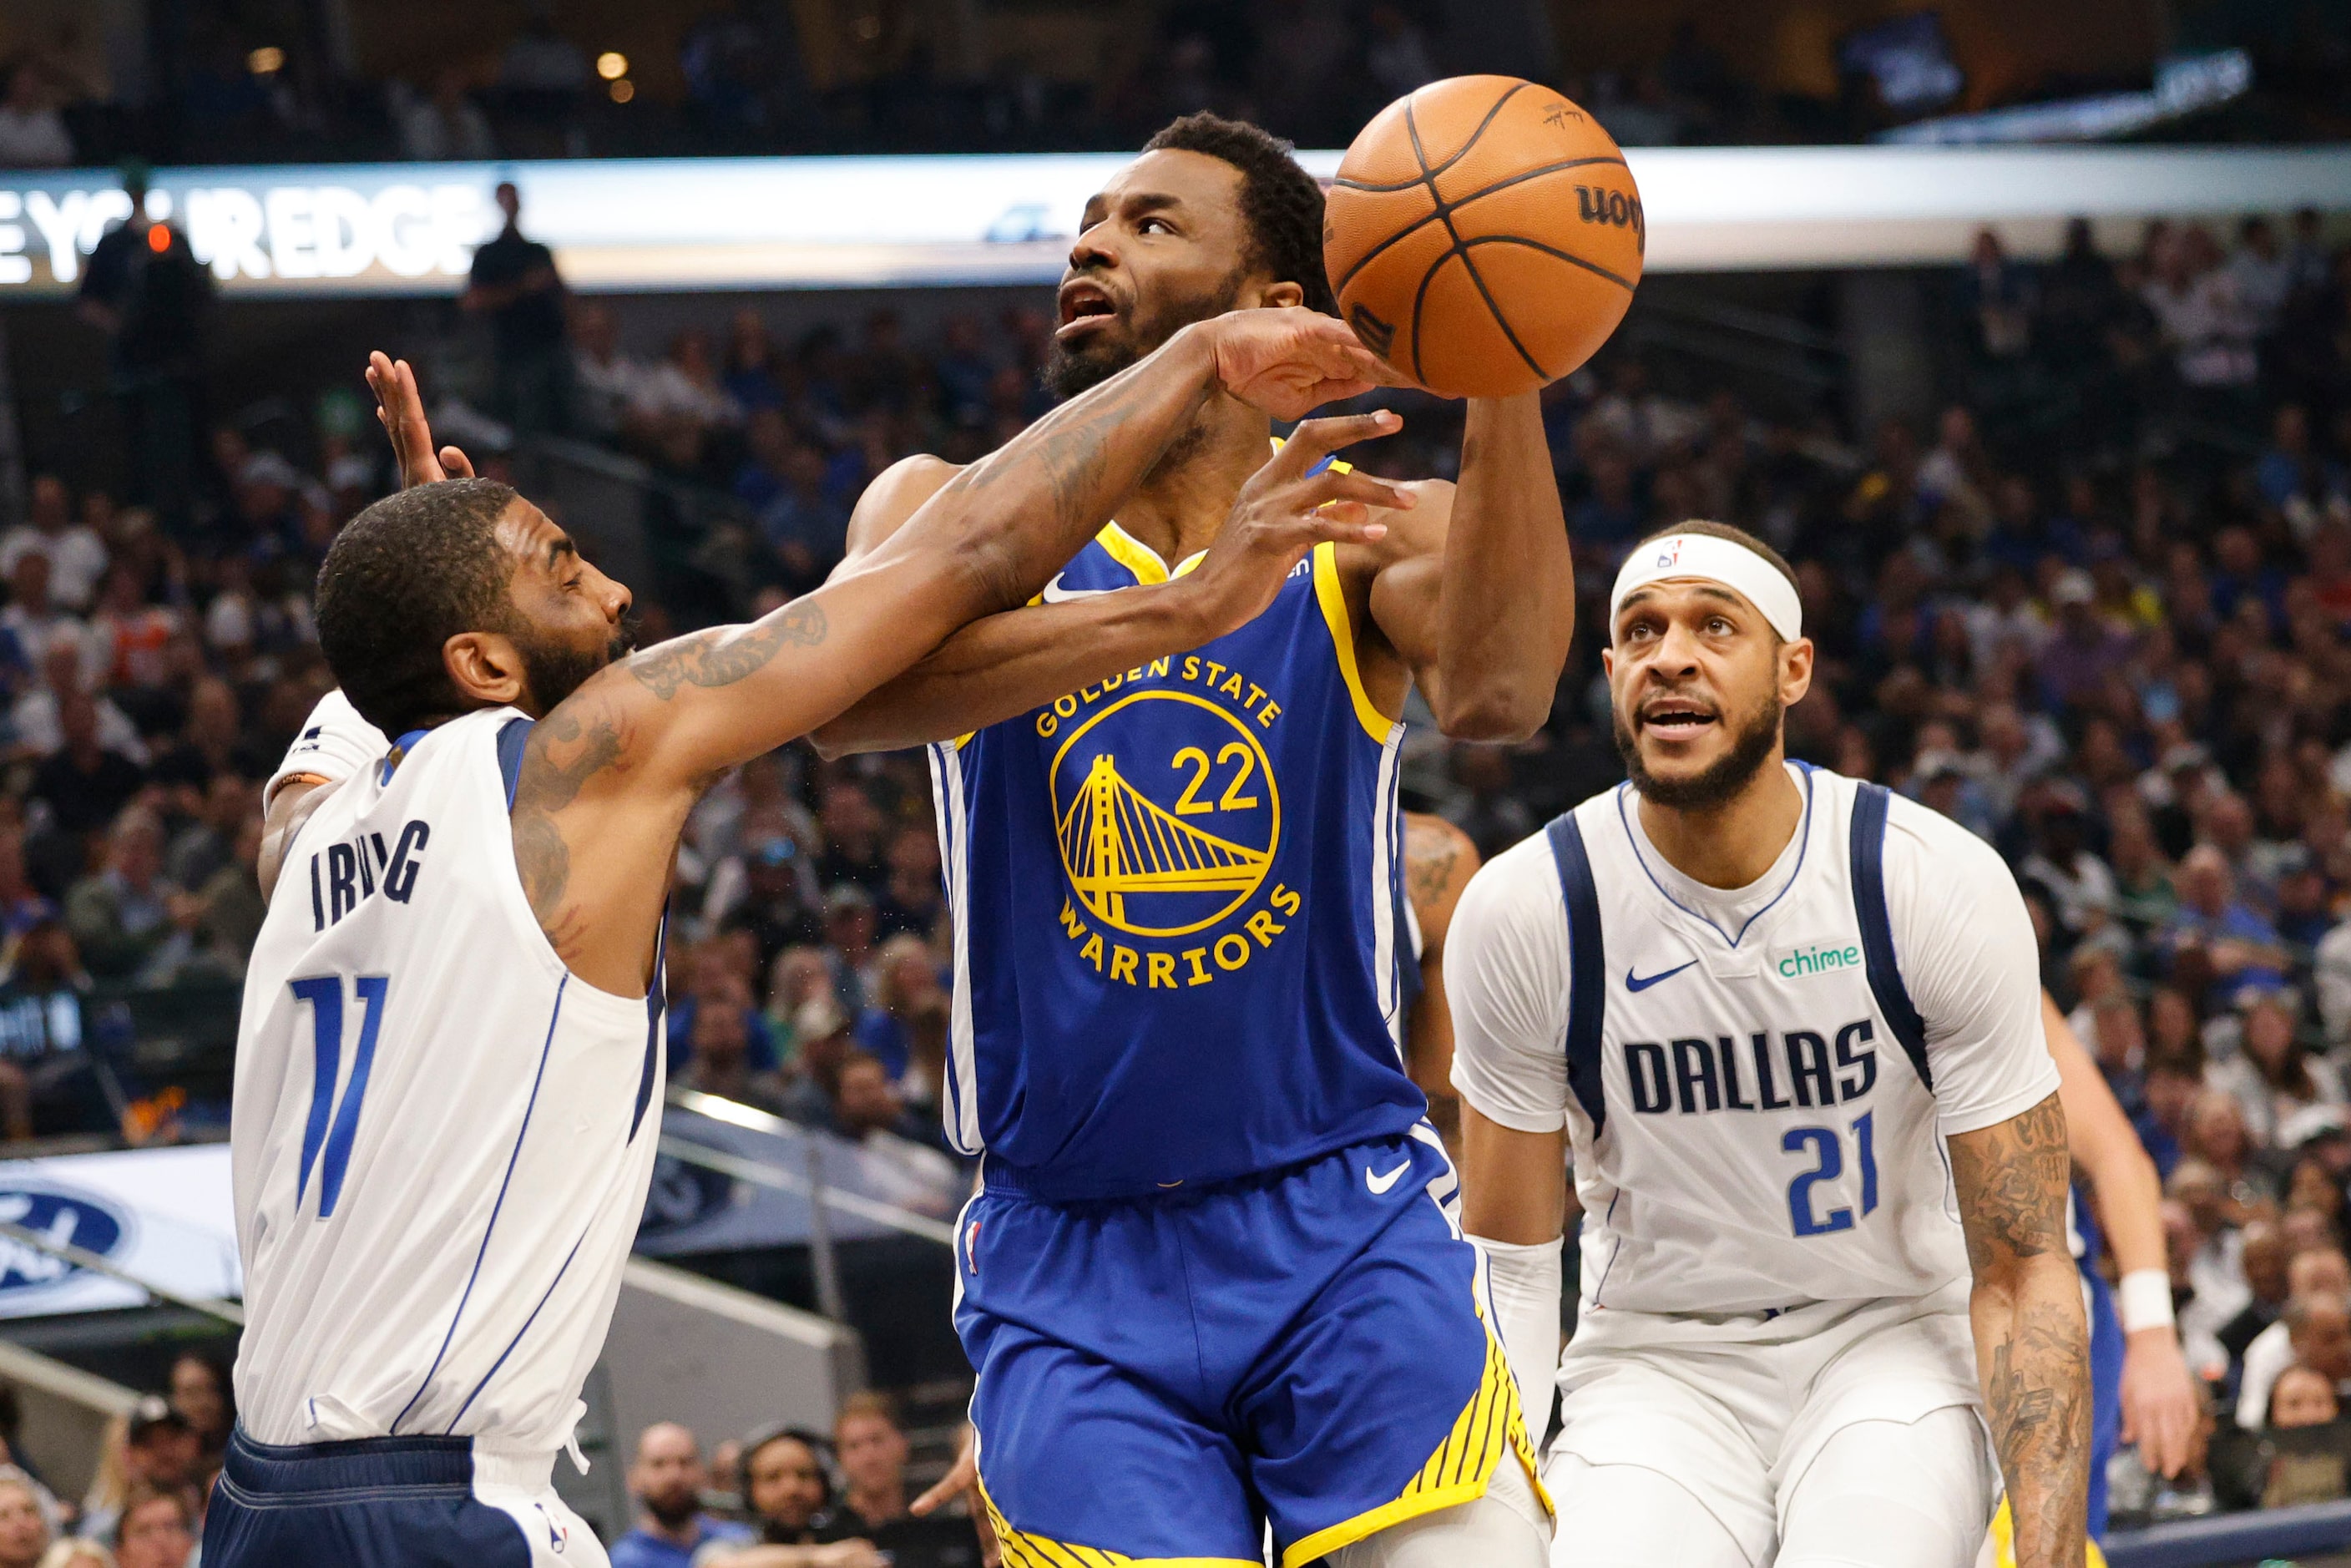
x=1438 y=861
x=449 y=1065
x=1206 y=1285
x=1816 y=1132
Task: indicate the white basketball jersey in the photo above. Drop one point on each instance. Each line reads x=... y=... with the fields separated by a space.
x=1757 y=1101
x=443 y=1139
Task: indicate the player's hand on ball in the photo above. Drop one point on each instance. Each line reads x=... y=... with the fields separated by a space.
x=1291 y=361
x=2160 y=1411
x=401 y=409
x=1284 y=511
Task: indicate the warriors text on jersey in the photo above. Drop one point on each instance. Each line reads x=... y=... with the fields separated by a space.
x=1757 y=1083
x=1174 y=895
x=443 y=1138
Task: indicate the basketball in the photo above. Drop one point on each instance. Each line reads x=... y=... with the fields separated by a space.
x=1484 y=235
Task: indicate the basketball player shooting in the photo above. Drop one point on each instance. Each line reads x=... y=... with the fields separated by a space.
x=1211 y=1282
x=449 y=1064
x=1816 y=1133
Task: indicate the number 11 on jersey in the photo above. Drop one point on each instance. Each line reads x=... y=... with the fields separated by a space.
x=1828 y=1165
x=325 y=995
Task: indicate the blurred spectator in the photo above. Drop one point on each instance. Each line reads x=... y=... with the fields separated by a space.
x=789 y=1492
x=125 y=916
x=446 y=125
x=23 y=1521
x=77 y=1553
x=514 y=284
x=666 y=1480
x=85 y=783
x=76 y=556
x=2313 y=1328
x=873 y=1451
x=2308 y=1452
x=2273 y=1075
x=2236 y=945
x=607 y=382
x=32 y=134
x=145 y=289
x=2263 y=1257
x=159 y=1458
x=158 y=1530
x=47 y=1081
x=203 y=1397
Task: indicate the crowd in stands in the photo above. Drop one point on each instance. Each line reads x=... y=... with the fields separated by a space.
x=230 y=85
x=145 y=1508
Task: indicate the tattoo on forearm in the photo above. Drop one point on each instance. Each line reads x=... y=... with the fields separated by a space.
x=2012 y=1181
x=722 y=657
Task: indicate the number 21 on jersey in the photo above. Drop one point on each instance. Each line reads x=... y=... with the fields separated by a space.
x=1827 y=1150
x=334 y=1126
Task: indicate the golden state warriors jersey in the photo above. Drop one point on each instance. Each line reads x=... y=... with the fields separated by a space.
x=1174 y=897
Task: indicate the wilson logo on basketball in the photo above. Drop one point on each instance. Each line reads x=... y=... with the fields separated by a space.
x=1597 y=204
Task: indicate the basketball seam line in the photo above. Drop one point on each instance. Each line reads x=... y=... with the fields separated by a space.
x=1368 y=189
x=1458 y=249
x=1445 y=208
x=1420 y=158
x=1548 y=250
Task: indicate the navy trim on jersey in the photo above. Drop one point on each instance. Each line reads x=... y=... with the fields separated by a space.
x=511 y=737
x=362 y=1464
x=509 y=1350
x=1869 y=807
x=656 y=1002
x=491 y=1229
x=1804 y=847
x=1587 y=988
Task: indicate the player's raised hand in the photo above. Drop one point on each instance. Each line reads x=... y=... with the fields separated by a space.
x=1288 y=506
x=1291 y=361
x=401 y=409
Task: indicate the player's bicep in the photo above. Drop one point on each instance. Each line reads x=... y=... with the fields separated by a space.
x=897 y=494
x=1513 y=1182
x=1506 y=980
x=2011 y=1179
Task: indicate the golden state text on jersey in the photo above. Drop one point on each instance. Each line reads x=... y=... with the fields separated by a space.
x=1175 y=897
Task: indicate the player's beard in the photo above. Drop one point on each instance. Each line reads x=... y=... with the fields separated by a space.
x=552 y=671
x=1719 y=782
x=1098 y=356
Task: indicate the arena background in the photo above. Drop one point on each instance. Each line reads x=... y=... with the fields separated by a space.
x=2073 y=512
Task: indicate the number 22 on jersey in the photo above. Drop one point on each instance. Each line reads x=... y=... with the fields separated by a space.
x=324 y=993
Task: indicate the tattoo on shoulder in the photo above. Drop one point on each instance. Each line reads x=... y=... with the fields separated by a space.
x=727 y=654
x=565 y=750
x=1430 y=872
x=2012 y=1180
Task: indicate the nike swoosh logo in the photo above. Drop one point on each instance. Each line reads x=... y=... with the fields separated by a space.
x=1634 y=983
x=1054 y=593
x=1380 y=1185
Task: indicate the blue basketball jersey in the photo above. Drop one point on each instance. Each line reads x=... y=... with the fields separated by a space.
x=1175 y=896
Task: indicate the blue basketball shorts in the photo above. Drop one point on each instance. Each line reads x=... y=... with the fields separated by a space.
x=390 y=1503
x=2106 y=1347
x=1160 y=1378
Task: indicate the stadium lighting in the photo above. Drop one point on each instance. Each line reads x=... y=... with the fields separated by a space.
x=612 y=65
x=624 y=90
x=266 y=60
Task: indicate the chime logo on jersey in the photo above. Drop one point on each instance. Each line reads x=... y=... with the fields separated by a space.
x=1166 y=808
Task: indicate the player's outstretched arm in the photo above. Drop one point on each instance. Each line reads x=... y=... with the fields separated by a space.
x=2032 y=1346
x=2160 y=1410
x=1003 y=665
x=1485 y=622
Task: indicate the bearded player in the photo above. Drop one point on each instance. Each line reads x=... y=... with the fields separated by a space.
x=449 y=1063
x=1211 y=1283
x=1790 y=1026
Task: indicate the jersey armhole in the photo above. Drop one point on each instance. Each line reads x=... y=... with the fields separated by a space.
x=1332 y=595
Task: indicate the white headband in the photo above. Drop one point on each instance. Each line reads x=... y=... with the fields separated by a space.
x=1716 y=560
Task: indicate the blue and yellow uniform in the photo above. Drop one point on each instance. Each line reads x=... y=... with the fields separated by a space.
x=1211 y=1278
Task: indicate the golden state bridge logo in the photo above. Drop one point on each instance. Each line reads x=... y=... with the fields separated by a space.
x=1168 y=812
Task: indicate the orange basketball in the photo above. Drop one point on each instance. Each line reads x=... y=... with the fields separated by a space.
x=1484 y=235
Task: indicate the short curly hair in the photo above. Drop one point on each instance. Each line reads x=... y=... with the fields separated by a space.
x=403 y=577
x=1281 y=202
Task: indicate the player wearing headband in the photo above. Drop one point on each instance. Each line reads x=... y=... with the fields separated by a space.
x=1788 y=1025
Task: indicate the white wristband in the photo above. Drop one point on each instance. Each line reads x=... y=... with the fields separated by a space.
x=2144 y=1300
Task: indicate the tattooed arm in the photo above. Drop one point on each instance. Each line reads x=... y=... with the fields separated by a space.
x=2032 y=1346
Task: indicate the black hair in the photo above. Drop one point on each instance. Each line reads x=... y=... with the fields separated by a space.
x=815 y=1443
x=1281 y=202
x=1730 y=531
x=403 y=577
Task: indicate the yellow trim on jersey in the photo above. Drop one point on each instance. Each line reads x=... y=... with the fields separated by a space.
x=1131 y=553
x=1333 y=600
x=1023 y=1549
x=1460 y=1471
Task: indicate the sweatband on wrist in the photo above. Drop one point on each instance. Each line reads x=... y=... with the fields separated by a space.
x=1525 y=1284
x=335 y=743
x=1716 y=560
x=2143 y=1300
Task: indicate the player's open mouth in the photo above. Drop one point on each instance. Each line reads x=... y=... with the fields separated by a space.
x=1081 y=302
x=1676 y=716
